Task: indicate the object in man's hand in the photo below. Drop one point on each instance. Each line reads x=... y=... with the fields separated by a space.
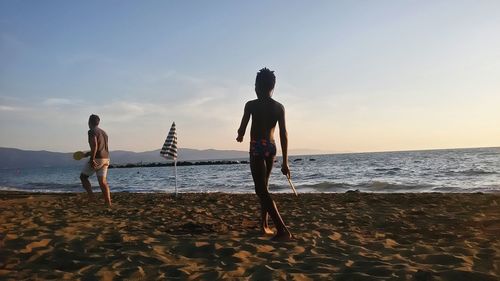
x=78 y=155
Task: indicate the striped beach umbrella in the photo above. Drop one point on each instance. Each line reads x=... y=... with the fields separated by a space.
x=169 y=150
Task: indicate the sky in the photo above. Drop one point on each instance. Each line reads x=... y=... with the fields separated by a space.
x=353 y=76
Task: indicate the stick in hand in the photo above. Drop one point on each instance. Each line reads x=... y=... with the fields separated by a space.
x=286 y=171
x=291 y=185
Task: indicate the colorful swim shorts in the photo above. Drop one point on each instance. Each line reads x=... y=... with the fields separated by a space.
x=262 y=148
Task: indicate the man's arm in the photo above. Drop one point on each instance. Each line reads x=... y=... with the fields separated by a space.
x=93 y=149
x=244 y=122
x=284 y=142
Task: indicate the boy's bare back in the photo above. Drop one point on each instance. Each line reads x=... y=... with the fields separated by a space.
x=265 y=114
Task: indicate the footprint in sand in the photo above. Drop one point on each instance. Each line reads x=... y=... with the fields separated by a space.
x=335 y=236
x=389 y=243
x=32 y=245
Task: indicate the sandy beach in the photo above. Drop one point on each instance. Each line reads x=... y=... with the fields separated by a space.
x=349 y=236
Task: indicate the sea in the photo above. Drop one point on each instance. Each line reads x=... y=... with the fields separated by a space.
x=448 y=170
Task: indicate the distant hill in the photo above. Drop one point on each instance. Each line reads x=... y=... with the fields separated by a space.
x=18 y=158
x=185 y=154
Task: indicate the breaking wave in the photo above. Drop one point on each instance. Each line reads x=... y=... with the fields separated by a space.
x=372 y=186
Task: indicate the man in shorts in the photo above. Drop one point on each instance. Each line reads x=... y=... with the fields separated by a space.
x=99 y=160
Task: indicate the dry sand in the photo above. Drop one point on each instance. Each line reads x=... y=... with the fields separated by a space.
x=351 y=236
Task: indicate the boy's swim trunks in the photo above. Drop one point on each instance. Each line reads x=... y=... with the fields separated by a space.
x=262 y=148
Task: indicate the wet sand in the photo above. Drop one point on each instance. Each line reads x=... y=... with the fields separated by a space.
x=350 y=236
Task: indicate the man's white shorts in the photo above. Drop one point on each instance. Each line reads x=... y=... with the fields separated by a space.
x=101 y=170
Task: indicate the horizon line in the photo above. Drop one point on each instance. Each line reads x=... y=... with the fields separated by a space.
x=319 y=151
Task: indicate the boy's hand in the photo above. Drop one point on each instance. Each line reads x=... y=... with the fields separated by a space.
x=285 y=170
x=239 y=138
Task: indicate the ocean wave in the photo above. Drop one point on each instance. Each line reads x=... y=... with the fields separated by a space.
x=53 y=185
x=10 y=188
x=382 y=186
x=29 y=189
x=456 y=189
x=42 y=187
x=314 y=176
x=387 y=169
x=324 y=186
x=372 y=186
x=471 y=172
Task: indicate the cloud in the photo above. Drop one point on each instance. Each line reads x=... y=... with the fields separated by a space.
x=11 y=104
x=59 y=101
x=122 y=111
x=9 y=108
x=161 y=76
x=207 y=111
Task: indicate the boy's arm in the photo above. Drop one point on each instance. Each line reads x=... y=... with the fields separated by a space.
x=244 y=122
x=284 y=142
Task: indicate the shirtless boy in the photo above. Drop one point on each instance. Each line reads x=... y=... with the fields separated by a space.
x=265 y=113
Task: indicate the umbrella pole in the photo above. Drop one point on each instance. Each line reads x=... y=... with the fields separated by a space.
x=175 y=169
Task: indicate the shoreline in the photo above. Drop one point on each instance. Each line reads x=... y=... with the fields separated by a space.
x=344 y=236
x=281 y=191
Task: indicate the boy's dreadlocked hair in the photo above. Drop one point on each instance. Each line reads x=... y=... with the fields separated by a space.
x=264 y=82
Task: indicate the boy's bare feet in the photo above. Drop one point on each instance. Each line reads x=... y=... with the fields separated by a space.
x=283 y=236
x=267 y=231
